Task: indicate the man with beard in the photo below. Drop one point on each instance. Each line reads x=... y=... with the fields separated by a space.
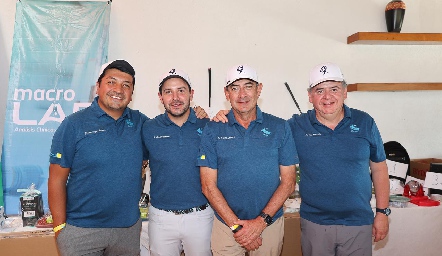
x=180 y=217
x=94 y=175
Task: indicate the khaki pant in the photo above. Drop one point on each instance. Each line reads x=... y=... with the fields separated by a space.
x=223 y=242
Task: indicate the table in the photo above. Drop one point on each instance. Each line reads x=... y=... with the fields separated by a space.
x=424 y=222
x=17 y=240
x=415 y=230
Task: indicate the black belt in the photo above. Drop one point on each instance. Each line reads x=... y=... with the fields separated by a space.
x=186 y=211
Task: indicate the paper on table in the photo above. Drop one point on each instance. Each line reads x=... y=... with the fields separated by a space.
x=397 y=169
x=433 y=180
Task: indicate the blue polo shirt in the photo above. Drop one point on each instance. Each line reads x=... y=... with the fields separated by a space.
x=248 y=160
x=105 y=157
x=335 y=184
x=172 y=153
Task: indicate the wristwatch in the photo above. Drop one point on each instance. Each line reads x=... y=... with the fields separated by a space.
x=267 y=218
x=385 y=211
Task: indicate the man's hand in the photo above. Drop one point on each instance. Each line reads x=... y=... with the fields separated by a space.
x=250 y=234
x=380 y=227
x=200 y=112
x=221 y=116
x=254 y=245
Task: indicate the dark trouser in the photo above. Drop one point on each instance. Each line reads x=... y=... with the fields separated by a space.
x=74 y=241
x=335 y=240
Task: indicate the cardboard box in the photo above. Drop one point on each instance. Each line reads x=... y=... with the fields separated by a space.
x=15 y=244
x=419 y=167
x=292 y=235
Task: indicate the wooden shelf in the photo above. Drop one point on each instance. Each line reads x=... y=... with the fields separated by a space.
x=395 y=38
x=393 y=86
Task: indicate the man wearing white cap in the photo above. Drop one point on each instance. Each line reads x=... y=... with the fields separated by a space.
x=337 y=147
x=180 y=217
x=247 y=171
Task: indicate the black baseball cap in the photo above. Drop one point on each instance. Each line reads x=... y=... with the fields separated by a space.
x=121 y=65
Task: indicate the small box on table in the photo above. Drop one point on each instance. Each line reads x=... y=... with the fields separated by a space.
x=419 y=167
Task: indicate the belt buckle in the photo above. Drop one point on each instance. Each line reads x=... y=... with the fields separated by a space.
x=186 y=211
x=202 y=207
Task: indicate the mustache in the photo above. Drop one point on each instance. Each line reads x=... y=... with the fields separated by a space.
x=177 y=102
x=116 y=94
x=243 y=100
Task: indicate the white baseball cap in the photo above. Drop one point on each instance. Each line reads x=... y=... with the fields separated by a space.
x=325 y=72
x=240 y=72
x=175 y=73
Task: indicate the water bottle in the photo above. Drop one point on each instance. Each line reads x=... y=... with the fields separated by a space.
x=144 y=206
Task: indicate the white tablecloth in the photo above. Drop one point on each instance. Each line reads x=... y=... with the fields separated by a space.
x=415 y=230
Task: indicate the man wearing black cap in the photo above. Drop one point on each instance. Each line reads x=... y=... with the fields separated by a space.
x=94 y=175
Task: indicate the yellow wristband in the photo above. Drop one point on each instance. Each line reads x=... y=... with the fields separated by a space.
x=59 y=227
x=235 y=226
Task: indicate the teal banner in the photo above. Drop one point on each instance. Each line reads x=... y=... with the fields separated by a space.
x=58 y=49
x=1 y=188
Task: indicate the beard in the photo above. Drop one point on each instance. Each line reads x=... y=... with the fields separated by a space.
x=116 y=105
x=178 y=112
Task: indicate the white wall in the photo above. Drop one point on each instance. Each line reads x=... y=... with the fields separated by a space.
x=283 y=40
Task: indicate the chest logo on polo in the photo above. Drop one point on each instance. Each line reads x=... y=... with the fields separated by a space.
x=161 y=136
x=199 y=131
x=56 y=155
x=354 y=128
x=93 y=132
x=266 y=132
x=129 y=123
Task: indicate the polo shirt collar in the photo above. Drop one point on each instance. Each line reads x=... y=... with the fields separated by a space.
x=164 y=118
x=98 y=112
x=232 y=120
